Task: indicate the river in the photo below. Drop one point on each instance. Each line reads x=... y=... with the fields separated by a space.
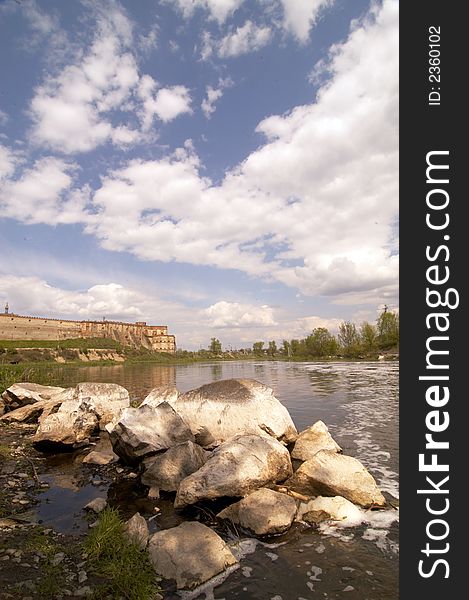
x=359 y=403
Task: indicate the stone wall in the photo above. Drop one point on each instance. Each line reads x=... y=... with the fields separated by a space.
x=155 y=337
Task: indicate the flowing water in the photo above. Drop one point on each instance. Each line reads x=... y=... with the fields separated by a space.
x=359 y=403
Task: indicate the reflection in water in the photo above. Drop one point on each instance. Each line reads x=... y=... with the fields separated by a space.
x=358 y=402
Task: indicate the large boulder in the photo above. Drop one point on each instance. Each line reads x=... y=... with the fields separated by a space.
x=70 y=426
x=146 y=430
x=31 y=412
x=332 y=474
x=236 y=468
x=166 y=471
x=107 y=400
x=21 y=394
x=220 y=410
x=191 y=554
x=336 y=508
x=312 y=440
x=163 y=393
x=264 y=512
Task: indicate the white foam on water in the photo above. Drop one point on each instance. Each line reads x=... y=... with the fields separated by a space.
x=208 y=587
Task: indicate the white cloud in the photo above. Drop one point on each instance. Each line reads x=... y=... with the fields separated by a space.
x=171 y=102
x=213 y=95
x=233 y=314
x=301 y=15
x=8 y=162
x=92 y=101
x=247 y=38
x=43 y=194
x=319 y=198
x=3 y=117
x=218 y=9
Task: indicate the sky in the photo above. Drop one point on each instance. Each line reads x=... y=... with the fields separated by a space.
x=228 y=168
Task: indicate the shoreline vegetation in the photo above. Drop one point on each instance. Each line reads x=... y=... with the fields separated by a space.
x=38 y=361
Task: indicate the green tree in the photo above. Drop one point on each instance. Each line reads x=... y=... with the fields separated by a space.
x=272 y=350
x=286 y=348
x=215 y=346
x=321 y=343
x=349 y=339
x=388 y=329
x=258 y=348
x=368 y=337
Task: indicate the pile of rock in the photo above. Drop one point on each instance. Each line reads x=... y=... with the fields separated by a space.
x=230 y=439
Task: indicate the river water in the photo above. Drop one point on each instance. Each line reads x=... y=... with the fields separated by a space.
x=358 y=401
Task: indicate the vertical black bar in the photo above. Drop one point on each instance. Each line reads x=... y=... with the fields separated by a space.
x=432 y=74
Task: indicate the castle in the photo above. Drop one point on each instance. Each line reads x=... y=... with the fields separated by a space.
x=138 y=335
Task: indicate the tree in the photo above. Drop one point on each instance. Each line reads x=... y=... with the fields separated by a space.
x=388 y=329
x=215 y=346
x=272 y=350
x=368 y=337
x=321 y=343
x=286 y=348
x=258 y=348
x=349 y=339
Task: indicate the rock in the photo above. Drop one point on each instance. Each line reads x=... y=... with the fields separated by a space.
x=236 y=468
x=246 y=407
x=103 y=453
x=136 y=529
x=191 y=554
x=2 y=407
x=97 y=505
x=31 y=412
x=335 y=508
x=154 y=493
x=70 y=426
x=107 y=400
x=166 y=471
x=329 y=473
x=100 y=458
x=145 y=430
x=163 y=393
x=312 y=440
x=264 y=512
x=21 y=394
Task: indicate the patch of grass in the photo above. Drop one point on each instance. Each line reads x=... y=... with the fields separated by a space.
x=51 y=579
x=10 y=374
x=125 y=569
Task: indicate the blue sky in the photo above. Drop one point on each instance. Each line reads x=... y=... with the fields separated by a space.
x=226 y=167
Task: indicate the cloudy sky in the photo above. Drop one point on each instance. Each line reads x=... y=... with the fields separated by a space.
x=225 y=167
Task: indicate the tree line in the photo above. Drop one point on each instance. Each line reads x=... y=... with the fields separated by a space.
x=350 y=342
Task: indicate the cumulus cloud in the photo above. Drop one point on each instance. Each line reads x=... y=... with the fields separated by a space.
x=233 y=314
x=213 y=94
x=77 y=110
x=8 y=162
x=244 y=39
x=218 y=9
x=299 y=16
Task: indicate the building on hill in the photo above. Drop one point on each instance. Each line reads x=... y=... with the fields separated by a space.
x=138 y=335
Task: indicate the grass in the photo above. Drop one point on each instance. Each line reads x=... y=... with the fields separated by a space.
x=51 y=580
x=10 y=374
x=79 y=343
x=126 y=570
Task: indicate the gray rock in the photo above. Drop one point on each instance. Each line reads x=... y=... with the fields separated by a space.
x=100 y=458
x=335 y=508
x=264 y=512
x=21 y=394
x=107 y=400
x=220 y=410
x=164 y=393
x=97 y=505
x=145 y=430
x=166 y=471
x=136 y=529
x=312 y=440
x=191 y=554
x=31 y=412
x=236 y=468
x=70 y=425
x=332 y=474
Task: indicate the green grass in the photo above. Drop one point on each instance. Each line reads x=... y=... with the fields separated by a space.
x=79 y=343
x=10 y=374
x=51 y=576
x=126 y=570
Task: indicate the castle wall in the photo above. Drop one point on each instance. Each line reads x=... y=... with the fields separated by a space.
x=155 y=337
